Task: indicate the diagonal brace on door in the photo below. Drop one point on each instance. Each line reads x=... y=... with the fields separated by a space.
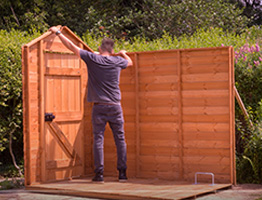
x=62 y=140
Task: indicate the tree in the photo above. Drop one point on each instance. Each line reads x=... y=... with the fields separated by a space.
x=152 y=18
x=23 y=15
x=123 y=18
x=76 y=14
x=251 y=9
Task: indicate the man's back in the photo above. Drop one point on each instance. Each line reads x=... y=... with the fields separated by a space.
x=103 y=77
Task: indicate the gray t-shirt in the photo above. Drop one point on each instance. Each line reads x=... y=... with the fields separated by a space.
x=103 y=77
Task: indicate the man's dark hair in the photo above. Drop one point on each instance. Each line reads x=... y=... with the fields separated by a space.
x=107 y=45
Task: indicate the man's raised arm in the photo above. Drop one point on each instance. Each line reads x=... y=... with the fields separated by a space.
x=125 y=56
x=68 y=43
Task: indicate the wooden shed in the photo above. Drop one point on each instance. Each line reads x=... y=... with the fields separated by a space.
x=178 y=107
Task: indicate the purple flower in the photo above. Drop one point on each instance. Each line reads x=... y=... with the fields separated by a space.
x=246 y=47
x=257 y=47
x=256 y=63
x=260 y=59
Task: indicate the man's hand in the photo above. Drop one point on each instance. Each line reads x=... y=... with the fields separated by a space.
x=123 y=54
x=53 y=29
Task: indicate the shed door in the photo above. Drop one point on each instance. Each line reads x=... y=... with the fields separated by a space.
x=63 y=139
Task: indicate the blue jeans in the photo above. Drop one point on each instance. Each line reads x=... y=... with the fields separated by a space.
x=101 y=114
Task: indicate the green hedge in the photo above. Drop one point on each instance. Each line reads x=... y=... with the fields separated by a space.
x=212 y=37
x=11 y=90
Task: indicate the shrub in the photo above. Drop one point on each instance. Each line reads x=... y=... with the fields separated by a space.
x=248 y=73
x=151 y=18
x=11 y=89
x=123 y=18
x=11 y=184
x=212 y=37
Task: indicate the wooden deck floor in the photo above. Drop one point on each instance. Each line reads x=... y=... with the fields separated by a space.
x=134 y=189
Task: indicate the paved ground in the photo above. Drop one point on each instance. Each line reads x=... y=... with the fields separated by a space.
x=21 y=194
x=240 y=192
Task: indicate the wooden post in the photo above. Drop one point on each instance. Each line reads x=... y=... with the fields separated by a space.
x=231 y=114
x=82 y=107
x=180 y=127
x=26 y=113
x=81 y=83
x=233 y=122
x=42 y=111
x=137 y=117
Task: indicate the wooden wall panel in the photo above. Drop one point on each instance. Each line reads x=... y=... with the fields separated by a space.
x=34 y=109
x=63 y=98
x=184 y=121
x=158 y=115
x=206 y=113
x=31 y=110
x=54 y=80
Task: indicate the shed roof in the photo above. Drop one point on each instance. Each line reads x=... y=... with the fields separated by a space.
x=66 y=31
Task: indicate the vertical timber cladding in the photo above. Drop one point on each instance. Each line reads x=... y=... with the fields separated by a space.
x=30 y=110
x=179 y=115
x=54 y=81
x=62 y=96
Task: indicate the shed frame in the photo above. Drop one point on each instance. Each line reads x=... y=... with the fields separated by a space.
x=178 y=107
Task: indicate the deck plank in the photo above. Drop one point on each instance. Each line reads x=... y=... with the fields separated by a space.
x=134 y=189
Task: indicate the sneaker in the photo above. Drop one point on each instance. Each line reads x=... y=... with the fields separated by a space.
x=122 y=176
x=99 y=178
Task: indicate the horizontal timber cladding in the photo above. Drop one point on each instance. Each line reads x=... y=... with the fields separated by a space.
x=207 y=108
x=179 y=113
x=178 y=108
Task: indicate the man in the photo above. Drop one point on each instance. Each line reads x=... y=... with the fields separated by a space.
x=103 y=90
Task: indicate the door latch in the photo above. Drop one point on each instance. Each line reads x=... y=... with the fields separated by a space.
x=49 y=117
